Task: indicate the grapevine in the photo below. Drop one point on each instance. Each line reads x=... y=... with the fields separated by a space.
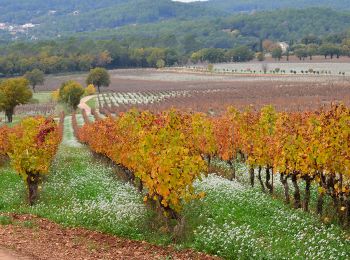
x=33 y=143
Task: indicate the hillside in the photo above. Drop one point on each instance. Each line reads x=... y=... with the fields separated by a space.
x=145 y=21
x=124 y=13
x=226 y=32
x=258 y=5
x=104 y=13
x=41 y=11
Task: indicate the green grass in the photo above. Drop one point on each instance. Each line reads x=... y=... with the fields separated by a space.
x=42 y=97
x=5 y=220
x=232 y=221
x=15 y=120
x=81 y=191
x=92 y=103
x=238 y=222
x=243 y=177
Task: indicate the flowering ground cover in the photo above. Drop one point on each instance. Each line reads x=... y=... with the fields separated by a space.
x=232 y=221
x=239 y=222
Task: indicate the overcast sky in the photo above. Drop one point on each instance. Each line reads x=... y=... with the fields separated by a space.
x=188 y=1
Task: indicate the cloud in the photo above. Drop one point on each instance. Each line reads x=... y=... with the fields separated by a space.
x=189 y=1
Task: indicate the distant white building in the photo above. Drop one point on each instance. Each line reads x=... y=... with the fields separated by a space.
x=28 y=26
x=284 y=46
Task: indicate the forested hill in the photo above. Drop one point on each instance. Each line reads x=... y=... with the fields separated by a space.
x=163 y=23
x=124 y=11
x=130 y=12
x=258 y=5
x=102 y=12
x=234 y=30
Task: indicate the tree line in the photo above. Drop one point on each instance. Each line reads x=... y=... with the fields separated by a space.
x=74 y=54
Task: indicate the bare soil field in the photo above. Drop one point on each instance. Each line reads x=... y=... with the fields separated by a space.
x=215 y=91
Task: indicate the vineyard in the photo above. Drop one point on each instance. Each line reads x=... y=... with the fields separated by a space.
x=161 y=90
x=213 y=92
x=114 y=103
x=175 y=130
x=227 y=183
x=36 y=109
x=162 y=151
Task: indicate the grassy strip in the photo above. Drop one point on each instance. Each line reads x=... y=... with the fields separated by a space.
x=234 y=221
x=92 y=103
x=42 y=97
x=83 y=192
x=16 y=119
x=329 y=214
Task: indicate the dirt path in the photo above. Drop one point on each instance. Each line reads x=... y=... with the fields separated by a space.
x=83 y=104
x=7 y=255
x=41 y=239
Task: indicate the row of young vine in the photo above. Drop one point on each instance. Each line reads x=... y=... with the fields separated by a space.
x=31 y=146
x=166 y=152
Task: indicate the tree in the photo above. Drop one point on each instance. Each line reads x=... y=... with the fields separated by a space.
x=312 y=50
x=239 y=54
x=153 y=55
x=212 y=55
x=98 y=77
x=160 y=64
x=330 y=50
x=55 y=95
x=197 y=56
x=287 y=54
x=260 y=56
x=190 y=43
x=277 y=52
x=346 y=47
x=71 y=93
x=137 y=56
x=171 y=57
x=311 y=39
x=14 y=92
x=301 y=53
x=35 y=77
x=345 y=50
x=267 y=45
x=103 y=58
x=90 y=90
